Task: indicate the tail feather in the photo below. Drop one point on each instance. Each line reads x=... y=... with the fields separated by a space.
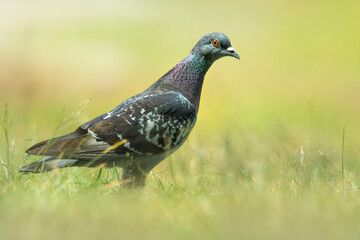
x=47 y=164
x=66 y=144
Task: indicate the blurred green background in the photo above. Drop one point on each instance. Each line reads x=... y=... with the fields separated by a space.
x=264 y=160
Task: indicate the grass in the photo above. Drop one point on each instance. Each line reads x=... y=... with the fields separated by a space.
x=268 y=158
x=242 y=183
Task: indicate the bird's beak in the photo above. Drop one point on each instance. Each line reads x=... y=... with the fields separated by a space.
x=232 y=52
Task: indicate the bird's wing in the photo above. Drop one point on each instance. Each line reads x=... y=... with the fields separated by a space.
x=144 y=125
x=148 y=125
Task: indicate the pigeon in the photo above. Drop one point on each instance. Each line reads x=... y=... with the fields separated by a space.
x=144 y=129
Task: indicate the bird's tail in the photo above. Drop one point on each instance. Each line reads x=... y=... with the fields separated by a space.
x=47 y=164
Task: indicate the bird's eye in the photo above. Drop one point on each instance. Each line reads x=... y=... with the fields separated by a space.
x=215 y=43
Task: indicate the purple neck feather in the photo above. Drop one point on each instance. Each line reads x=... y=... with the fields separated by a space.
x=186 y=77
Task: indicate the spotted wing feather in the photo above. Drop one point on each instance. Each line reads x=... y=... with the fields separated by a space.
x=151 y=124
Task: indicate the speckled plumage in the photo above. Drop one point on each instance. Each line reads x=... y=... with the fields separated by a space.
x=144 y=129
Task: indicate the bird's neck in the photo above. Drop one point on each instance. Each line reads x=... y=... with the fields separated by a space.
x=187 y=77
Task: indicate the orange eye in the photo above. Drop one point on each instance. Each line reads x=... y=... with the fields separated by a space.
x=215 y=43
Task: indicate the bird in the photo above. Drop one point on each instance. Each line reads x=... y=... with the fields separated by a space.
x=143 y=130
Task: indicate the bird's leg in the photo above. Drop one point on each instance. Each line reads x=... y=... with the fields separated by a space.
x=133 y=176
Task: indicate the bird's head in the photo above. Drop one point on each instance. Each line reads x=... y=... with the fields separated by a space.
x=214 y=46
